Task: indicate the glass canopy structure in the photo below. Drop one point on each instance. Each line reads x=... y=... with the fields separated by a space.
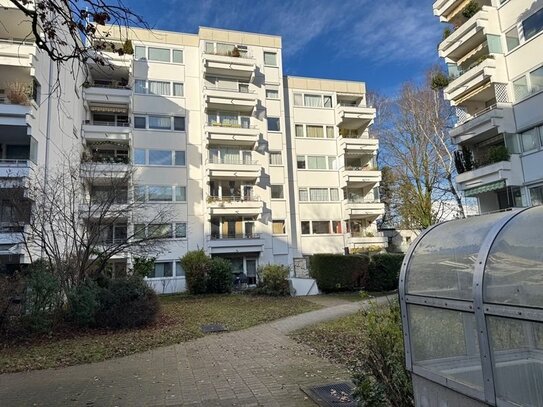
x=471 y=295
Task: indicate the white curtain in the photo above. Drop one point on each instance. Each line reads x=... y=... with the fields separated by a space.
x=315 y=131
x=312 y=100
x=160 y=122
x=159 y=88
x=316 y=162
x=318 y=194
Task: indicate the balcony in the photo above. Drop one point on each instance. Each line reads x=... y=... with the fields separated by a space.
x=110 y=94
x=354 y=117
x=14 y=114
x=235 y=243
x=362 y=240
x=234 y=205
x=473 y=79
x=222 y=133
x=489 y=121
x=234 y=169
x=361 y=209
x=492 y=175
x=358 y=146
x=470 y=34
x=16 y=52
x=356 y=177
x=449 y=10
x=224 y=65
x=15 y=168
x=229 y=99
x=106 y=131
x=113 y=169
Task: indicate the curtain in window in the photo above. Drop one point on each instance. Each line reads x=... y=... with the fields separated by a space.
x=316 y=162
x=299 y=130
x=178 y=89
x=312 y=100
x=318 y=194
x=278 y=227
x=303 y=195
x=298 y=100
x=329 y=132
x=315 y=131
x=228 y=118
x=159 y=88
x=160 y=122
x=224 y=49
x=334 y=194
x=275 y=159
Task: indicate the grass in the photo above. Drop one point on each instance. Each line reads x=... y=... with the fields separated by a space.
x=180 y=320
x=355 y=296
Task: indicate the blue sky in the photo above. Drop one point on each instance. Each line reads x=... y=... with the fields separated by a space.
x=381 y=42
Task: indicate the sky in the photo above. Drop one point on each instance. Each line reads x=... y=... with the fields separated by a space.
x=381 y=42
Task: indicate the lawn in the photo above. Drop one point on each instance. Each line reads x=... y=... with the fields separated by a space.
x=180 y=320
x=355 y=296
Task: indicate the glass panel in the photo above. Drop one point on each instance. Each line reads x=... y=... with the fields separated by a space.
x=312 y=100
x=270 y=58
x=536 y=195
x=511 y=38
x=298 y=99
x=209 y=47
x=160 y=157
x=178 y=89
x=139 y=86
x=180 y=230
x=512 y=143
x=272 y=94
x=334 y=194
x=299 y=130
x=536 y=80
x=177 y=56
x=442 y=263
x=158 y=193
x=445 y=342
x=179 y=123
x=494 y=44
x=315 y=131
x=160 y=231
x=33 y=155
x=321 y=227
x=336 y=227
x=180 y=194
x=278 y=227
x=276 y=158
x=159 y=88
x=329 y=132
x=139 y=122
x=159 y=54
x=139 y=52
x=533 y=24
x=277 y=192
x=139 y=156
x=304 y=197
x=316 y=162
x=327 y=101
x=514 y=270
x=300 y=162
x=273 y=124
x=179 y=158
x=163 y=269
x=517 y=356
x=520 y=88
x=332 y=163
x=305 y=228
x=139 y=231
x=160 y=122
x=318 y=194
x=529 y=140
x=139 y=193
x=179 y=272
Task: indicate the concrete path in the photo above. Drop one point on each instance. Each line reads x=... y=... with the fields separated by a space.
x=259 y=366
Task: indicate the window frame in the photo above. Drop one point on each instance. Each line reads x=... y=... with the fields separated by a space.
x=276 y=154
x=272 y=90
x=283 y=227
x=282 y=197
x=275 y=120
x=275 y=62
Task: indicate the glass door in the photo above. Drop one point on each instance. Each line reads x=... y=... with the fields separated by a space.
x=246 y=157
x=247 y=192
x=249 y=229
x=250 y=265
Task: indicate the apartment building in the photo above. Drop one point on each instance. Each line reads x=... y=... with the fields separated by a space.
x=254 y=166
x=492 y=49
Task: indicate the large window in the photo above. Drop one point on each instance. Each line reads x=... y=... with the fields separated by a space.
x=159 y=157
x=316 y=162
x=314 y=131
x=536 y=195
x=158 y=54
x=520 y=88
x=159 y=122
x=312 y=100
x=272 y=94
x=536 y=80
x=160 y=88
x=533 y=24
x=318 y=194
x=162 y=269
x=160 y=193
x=321 y=227
x=529 y=140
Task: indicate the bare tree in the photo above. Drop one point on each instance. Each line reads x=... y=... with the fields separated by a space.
x=413 y=131
x=83 y=215
x=73 y=30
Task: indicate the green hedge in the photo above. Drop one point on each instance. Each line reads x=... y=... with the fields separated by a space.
x=384 y=272
x=336 y=272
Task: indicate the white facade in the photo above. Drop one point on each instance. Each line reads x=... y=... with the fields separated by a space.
x=496 y=66
x=209 y=123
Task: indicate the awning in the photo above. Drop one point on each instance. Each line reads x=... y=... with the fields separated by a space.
x=109 y=109
x=493 y=186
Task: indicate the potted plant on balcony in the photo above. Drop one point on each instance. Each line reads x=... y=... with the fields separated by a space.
x=236 y=53
x=471 y=9
x=19 y=93
x=497 y=154
x=128 y=48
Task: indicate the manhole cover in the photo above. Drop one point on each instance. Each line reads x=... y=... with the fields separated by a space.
x=336 y=394
x=210 y=328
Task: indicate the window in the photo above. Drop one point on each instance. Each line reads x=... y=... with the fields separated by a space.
x=243 y=87
x=179 y=123
x=270 y=58
x=529 y=140
x=139 y=193
x=159 y=88
x=533 y=24
x=334 y=194
x=327 y=101
x=536 y=80
x=511 y=38
x=159 y=193
x=278 y=227
x=314 y=131
x=139 y=52
x=162 y=231
x=177 y=56
x=140 y=86
x=316 y=162
x=180 y=230
x=321 y=227
x=336 y=226
x=299 y=130
x=139 y=156
x=272 y=94
x=536 y=195
x=520 y=88
x=178 y=89
x=318 y=195
x=300 y=162
x=179 y=272
x=276 y=158
x=312 y=100
x=305 y=228
x=298 y=99
x=273 y=124
x=179 y=158
x=541 y=134
x=159 y=54
x=277 y=192
x=332 y=163
x=139 y=231
x=36 y=91
x=304 y=197
x=140 y=122
x=329 y=132
x=162 y=269
x=209 y=48
x=160 y=122
x=160 y=157
x=180 y=194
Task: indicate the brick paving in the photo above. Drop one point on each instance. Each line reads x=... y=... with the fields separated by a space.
x=259 y=366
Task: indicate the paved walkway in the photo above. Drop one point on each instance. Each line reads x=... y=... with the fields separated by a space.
x=259 y=366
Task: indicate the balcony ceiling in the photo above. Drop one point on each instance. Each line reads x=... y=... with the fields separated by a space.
x=14 y=25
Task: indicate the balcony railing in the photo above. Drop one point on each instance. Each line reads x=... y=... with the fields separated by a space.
x=235 y=236
x=232 y=161
x=11 y=228
x=244 y=55
x=105 y=160
x=363 y=201
x=478 y=114
x=108 y=85
x=231 y=125
x=105 y=123
x=234 y=90
x=220 y=199
x=360 y=168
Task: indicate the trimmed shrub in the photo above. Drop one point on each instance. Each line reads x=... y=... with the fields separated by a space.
x=126 y=303
x=336 y=272
x=197 y=266
x=220 y=276
x=273 y=281
x=382 y=379
x=384 y=272
x=83 y=304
